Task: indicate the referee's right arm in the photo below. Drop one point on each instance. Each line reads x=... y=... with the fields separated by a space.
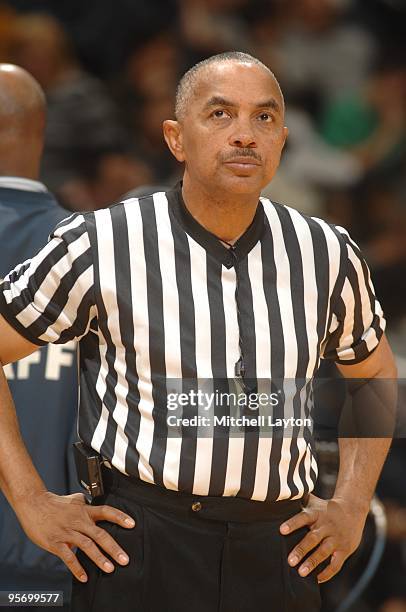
x=56 y=523
x=47 y=518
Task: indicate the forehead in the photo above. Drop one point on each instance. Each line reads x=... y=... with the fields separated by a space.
x=241 y=82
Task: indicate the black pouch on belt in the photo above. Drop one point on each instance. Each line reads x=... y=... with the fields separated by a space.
x=88 y=466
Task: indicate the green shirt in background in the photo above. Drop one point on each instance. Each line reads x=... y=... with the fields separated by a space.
x=348 y=122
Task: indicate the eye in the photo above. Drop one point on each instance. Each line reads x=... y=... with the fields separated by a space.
x=265 y=117
x=219 y=114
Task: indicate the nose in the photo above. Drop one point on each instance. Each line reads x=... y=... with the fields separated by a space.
x=242 y=135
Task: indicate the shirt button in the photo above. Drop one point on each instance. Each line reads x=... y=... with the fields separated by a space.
x=196 y=506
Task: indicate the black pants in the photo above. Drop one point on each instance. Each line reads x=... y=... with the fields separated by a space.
x=196 y=554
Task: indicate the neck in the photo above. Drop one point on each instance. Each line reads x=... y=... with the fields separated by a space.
x=19 y=165
x=225 y=215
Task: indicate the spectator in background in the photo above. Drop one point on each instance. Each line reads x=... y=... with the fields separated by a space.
x=310 y=166
x=314 y=49
x=107 y=177
x=7 y=17
x=371 y=121
x=146 y=92
x=153 y=66
x=213 y=26
x=82 y=119
x=370 y=125
x=44 y=385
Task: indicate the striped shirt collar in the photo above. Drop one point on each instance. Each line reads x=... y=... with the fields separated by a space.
x=24 y=184
x=209 y=241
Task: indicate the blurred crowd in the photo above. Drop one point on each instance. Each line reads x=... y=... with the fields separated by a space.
x=110 y=68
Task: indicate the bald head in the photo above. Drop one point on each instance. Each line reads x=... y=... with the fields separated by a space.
x=22 y=121
x=21 y=98
x=191 y=80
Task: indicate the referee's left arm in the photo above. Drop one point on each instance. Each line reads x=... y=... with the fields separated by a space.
x=336 y=525
x=358 y=345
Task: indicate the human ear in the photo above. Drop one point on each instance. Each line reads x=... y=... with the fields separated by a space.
x=174 y=138
x=285 y=135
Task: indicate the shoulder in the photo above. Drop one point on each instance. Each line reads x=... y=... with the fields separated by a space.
x=127 y=212
x=156 y=198
x=294 y=220
x=71 y=227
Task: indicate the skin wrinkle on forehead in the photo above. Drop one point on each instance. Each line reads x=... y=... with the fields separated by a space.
x=188 y=87
x=218 y=100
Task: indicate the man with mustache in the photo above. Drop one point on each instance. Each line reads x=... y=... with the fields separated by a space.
x=200 y=291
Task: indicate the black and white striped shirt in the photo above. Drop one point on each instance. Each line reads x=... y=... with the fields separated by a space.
x=153 y=297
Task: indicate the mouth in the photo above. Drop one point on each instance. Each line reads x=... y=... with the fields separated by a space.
x=243 y=162
x=246 y=165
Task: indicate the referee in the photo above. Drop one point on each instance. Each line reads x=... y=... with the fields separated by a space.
x=178 y=300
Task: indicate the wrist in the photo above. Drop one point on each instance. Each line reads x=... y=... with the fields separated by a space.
x=352 y=503
x=26 y=499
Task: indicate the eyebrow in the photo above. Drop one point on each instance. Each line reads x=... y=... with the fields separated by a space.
x=219 y=100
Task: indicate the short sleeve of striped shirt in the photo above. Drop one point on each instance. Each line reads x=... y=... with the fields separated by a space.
x=49 y=298
x=357 y=323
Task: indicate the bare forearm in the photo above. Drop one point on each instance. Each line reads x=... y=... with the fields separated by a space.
x=18 y=476
x=361 y=461
x=373 y=387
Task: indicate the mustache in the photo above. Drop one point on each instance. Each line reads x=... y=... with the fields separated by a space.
x=226 y=157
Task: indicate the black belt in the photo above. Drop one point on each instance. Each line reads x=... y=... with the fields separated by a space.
x=219 y=508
